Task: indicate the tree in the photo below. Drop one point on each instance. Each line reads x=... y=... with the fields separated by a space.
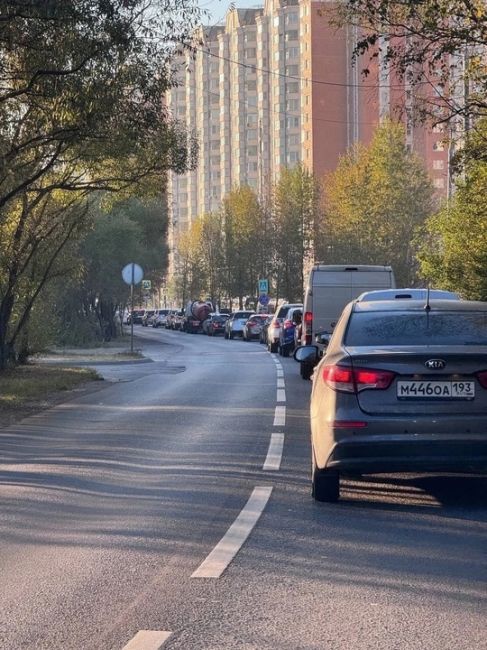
x=438 y=46
x=374 y=201
x=242 y=221
x=453 y=243
x=296 y=210
x=81 y=83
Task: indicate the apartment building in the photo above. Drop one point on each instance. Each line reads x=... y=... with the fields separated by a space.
x=275 y=86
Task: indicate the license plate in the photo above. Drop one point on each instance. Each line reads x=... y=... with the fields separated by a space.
x=436 y=389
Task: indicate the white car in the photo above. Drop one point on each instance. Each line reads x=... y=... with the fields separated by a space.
x=235 y=324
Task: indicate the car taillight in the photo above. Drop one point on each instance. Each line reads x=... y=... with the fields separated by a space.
x=482 y=377
x=308 y=327
x=354 y=380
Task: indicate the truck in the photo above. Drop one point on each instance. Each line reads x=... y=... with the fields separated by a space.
x=330 y=287
x=195 y=313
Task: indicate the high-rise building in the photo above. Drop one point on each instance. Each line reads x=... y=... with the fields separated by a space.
x=275 y=86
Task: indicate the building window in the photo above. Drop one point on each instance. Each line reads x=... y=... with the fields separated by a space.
x=438 y=164
x=293 y=87
x=292 y=35
x=215 y=145
x=438 y=146
x=252 y=150
x=292 y=122
x=292 y=52
x=251 y=85
x=294 y=139
x=252 y=134
x=292 y=105
x=251 y=166
x=292 y=18
x=439 y=183
x=292 y=70
x=250 y=53
x=293 y=157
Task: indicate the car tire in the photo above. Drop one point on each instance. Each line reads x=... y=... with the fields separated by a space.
x=305 y=370
x=325 y=485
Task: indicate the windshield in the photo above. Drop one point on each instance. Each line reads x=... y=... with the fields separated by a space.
x=406 y=328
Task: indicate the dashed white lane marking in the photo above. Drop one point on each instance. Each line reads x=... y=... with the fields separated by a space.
x=274 y=453
x=147 y=640
x=280 y=373
x=280 y=416
x=281 y=395
x=280 y=382
x=226 y=549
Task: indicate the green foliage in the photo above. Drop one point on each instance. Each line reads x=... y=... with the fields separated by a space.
x=80 y=111
x=374 y=201
x=295 y=220
x=243 y=219
x=453 y=244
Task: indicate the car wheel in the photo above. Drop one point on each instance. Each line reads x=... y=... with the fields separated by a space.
x=305 y=370
x=325 y=485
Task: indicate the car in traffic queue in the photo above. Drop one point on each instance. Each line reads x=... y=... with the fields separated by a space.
x=159 y=318
x=253 y=327
x=274 y=327
x=263 y=332
x=408 y=294
x=215 y=324
x=136 y=317
x=146 y=318
x=235 y=323
x=287 y=331
x=401 y=387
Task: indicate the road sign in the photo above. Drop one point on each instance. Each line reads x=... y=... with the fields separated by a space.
x=146 y=285
x=132 y=274
x=263 y=286
x=264 y=299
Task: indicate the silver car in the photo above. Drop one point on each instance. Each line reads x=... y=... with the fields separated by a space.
x=402 y=387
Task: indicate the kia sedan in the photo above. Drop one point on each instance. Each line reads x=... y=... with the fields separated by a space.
x=402 y=387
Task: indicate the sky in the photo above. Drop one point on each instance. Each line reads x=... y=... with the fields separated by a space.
x=219 y=8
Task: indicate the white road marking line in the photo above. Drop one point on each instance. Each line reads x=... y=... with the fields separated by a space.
x=274 y=453
x=280 y=382
x=147 y=640
x=281 y=395
x=229 y=545
x=280 y=416
x=280 y=373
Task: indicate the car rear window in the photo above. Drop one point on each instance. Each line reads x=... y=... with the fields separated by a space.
x=426 y=328
x=243 y=314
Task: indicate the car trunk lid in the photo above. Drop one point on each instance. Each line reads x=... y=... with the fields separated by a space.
x=441 y=382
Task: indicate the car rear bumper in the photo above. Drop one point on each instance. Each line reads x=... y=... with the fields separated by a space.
x=429 y=453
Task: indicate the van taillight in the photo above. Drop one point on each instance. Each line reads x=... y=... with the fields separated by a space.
x=308 y=327
x=354 y=380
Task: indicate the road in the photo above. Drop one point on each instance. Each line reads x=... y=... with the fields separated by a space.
x=158 y=512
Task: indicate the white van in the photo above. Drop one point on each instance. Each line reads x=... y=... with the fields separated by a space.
x=330 y=287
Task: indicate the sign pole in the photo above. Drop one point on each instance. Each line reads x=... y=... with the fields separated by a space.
x=132 y=315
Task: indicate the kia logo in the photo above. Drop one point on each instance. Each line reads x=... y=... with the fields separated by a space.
x=435 y=364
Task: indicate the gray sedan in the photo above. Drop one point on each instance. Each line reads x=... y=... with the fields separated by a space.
x=401 y=387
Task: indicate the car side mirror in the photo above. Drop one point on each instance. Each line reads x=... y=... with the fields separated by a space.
x=323 y=338
x=306 y=353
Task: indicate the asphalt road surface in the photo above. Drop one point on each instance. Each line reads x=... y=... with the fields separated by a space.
x=171 y=509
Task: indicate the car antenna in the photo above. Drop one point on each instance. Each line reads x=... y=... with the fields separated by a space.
x=427 y=307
